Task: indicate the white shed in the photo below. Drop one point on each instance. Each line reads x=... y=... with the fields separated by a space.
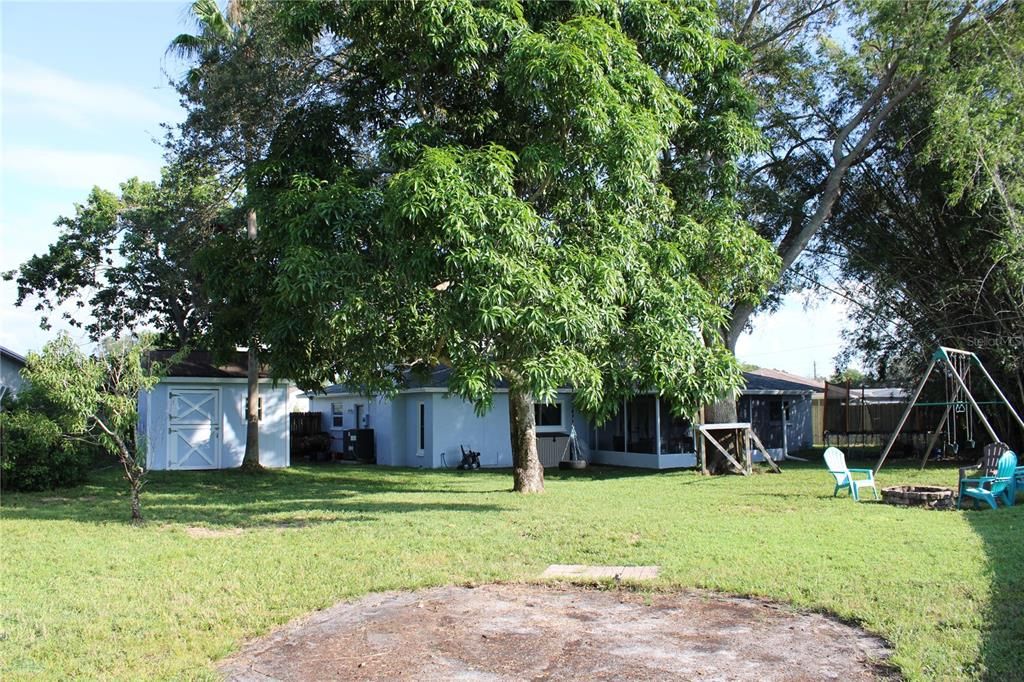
x=195 y=417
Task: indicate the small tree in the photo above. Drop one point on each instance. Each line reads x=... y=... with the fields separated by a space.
x=97 y=399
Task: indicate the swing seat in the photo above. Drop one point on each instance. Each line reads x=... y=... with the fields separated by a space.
x=835 y=460
x=991 y=489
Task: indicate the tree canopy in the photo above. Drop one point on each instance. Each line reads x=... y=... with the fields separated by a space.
x=829 y=75
x=124 y=261
x=535 y=192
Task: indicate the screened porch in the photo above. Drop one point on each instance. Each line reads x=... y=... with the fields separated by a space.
x=645 y=433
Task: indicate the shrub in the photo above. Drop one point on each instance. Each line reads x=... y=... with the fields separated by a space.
x=36 y=456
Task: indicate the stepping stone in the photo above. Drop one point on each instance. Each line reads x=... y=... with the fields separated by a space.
x=584 y=571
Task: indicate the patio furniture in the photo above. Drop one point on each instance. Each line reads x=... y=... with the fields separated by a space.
x=989 y=461
x=989 y=489
x=835 y=460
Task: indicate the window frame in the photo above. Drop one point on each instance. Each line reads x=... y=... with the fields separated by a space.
x=422 y=431
x=337 y=416
x=561 y=427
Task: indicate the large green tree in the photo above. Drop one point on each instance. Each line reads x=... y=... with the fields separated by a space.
x=829 y=75
x=531 y=192
x=240 y=84
x=124 y=261
x=930 y=259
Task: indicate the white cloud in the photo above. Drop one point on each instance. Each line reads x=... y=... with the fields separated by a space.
x=29 y=88
x=77 y=170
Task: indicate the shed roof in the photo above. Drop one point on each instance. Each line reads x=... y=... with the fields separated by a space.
x=787 y=378
x=202 y=364
x=762 y=384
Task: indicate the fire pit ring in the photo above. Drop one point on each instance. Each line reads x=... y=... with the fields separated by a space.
x=931 y=496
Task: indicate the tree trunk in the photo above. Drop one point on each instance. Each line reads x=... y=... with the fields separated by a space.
x=136 y=484
x=724 y=410
x=721 y=412
x=527 y=472
x=251 y=459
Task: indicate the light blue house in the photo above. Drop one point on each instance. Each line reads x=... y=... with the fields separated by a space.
x=425 y=427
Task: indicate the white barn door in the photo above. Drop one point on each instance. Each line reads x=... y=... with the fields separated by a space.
x=193 y=436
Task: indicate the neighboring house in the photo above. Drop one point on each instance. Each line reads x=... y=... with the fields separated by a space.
x=11 y=365
x=194 y=418
x=423 y=426
x=778 y=406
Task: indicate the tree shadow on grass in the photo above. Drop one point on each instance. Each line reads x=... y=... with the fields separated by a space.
x=1002 y=532
x=272 y=499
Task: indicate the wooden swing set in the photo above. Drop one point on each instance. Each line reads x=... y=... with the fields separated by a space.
x=960 y=403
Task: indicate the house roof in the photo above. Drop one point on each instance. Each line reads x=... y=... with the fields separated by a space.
x=436 y=379
x=9 y=354
x=439 y=377
x=766 y=384
x=201 y=364
x=787 y=379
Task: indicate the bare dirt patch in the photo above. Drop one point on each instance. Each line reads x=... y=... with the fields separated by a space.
x=516 y=632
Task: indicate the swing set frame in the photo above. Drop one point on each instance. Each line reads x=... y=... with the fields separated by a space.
x=944 y=357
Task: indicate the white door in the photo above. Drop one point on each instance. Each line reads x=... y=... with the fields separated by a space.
x=193 y=436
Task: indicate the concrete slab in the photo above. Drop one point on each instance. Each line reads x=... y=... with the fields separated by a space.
x=598 y=572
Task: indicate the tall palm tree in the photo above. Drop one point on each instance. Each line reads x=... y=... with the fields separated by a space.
x=219 y=34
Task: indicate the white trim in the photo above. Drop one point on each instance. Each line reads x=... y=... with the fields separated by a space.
x=657 y=425
x=562 y=426
x=644 y=460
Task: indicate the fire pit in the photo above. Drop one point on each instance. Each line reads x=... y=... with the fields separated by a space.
x=929 y=496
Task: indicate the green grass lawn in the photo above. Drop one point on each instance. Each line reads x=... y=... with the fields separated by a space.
x=84 y=594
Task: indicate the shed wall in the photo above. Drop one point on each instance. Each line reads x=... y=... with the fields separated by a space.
x=274 y=433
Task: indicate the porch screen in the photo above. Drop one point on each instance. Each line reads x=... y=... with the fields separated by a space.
x=676 y=432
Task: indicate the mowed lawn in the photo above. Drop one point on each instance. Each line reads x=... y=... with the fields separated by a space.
x=225 y=556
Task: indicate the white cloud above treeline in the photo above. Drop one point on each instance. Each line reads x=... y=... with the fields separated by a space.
x=77 y=169
x=35 y=90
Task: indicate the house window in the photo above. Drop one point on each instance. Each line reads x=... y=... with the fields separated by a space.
x=549 y=417
x=337 y=415
x=259 y=408
x=423 y=427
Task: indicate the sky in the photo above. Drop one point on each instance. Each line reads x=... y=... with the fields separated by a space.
x=83 y=91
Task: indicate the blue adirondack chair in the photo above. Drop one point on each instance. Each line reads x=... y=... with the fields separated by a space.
x=991 y=488
x=835 y=460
